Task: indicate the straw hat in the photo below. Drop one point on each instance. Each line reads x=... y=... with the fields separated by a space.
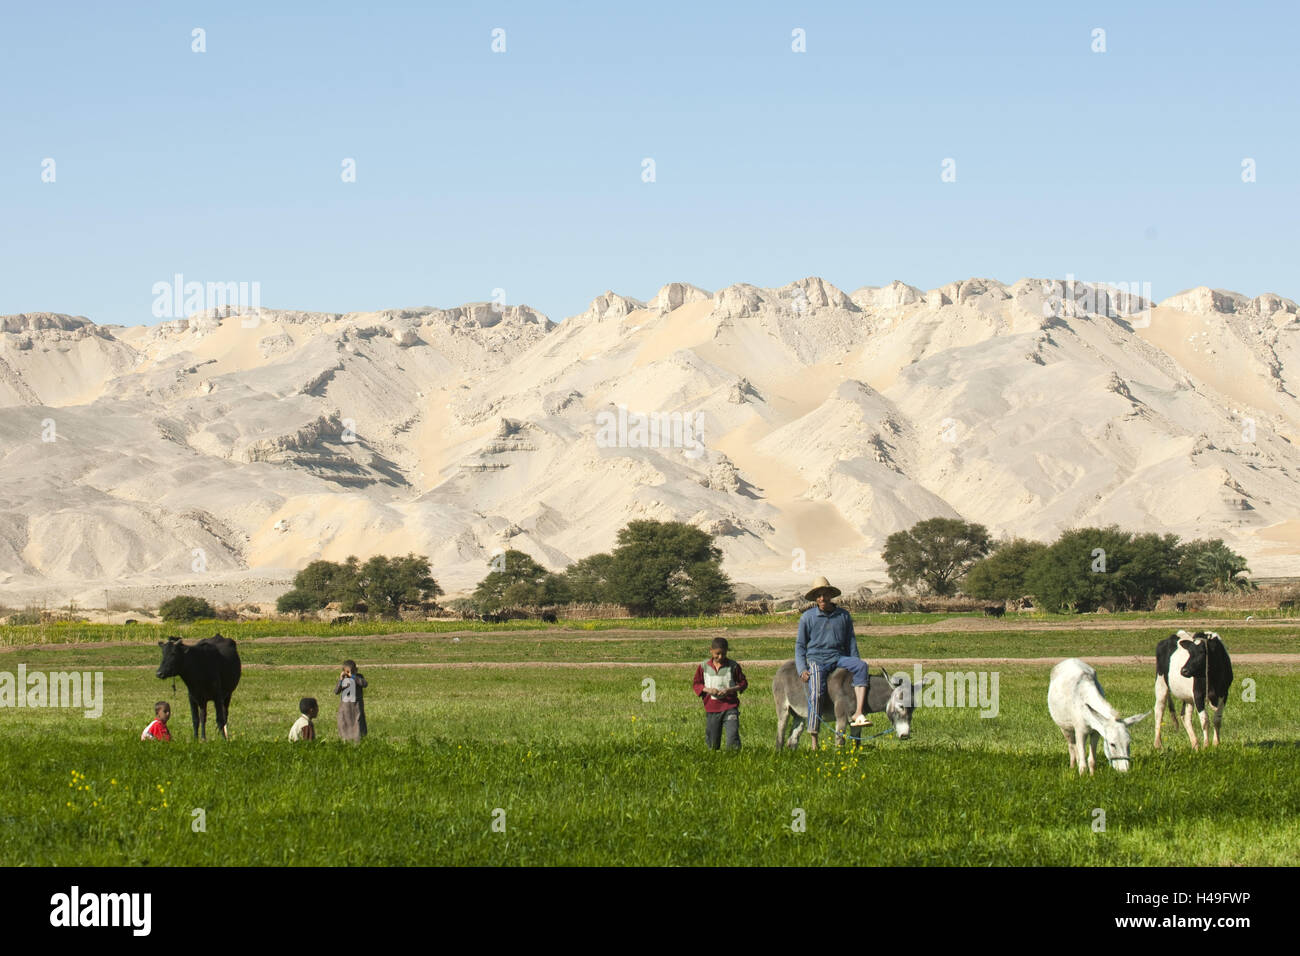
x=820 y=585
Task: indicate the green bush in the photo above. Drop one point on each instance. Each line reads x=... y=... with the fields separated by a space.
x=462 y=606
x=297 y=602
x=185 y=608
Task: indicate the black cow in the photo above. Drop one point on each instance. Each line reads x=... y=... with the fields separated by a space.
x=994 y=610
x=210 y=670
x=1192 y=668
x=550 y=617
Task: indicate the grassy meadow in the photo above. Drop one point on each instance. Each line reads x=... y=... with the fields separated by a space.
x=146 y=630
x=550 y=736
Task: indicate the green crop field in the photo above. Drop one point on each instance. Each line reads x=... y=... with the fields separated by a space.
x=509 y=746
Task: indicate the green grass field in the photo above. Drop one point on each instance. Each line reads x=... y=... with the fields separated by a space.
x=586 y=771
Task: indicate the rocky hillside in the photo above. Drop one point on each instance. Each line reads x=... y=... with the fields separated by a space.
x=800 y=425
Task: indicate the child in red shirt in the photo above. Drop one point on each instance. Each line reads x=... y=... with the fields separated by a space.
x=158 y=729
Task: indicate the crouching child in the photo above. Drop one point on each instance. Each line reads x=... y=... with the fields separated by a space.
x=303 y=728
x=162 y=712
x=719 y=681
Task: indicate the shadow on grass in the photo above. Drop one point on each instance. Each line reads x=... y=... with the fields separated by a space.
x=1272 y=743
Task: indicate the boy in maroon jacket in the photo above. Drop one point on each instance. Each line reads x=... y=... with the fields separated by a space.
x=718 y=681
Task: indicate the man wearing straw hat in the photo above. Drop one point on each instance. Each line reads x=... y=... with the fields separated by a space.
x=826 y=641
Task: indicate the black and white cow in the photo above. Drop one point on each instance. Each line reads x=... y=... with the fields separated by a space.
x=1192 y=668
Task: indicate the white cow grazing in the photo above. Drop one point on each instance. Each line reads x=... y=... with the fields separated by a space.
x=1079 y=706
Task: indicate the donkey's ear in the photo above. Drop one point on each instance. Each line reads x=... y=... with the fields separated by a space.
x=1130 y=721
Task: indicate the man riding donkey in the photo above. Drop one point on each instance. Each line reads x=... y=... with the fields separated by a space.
x=826 y=641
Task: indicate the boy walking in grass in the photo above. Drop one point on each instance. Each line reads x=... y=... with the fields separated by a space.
x=162 y=712
x=719 y=681
x=303 y=728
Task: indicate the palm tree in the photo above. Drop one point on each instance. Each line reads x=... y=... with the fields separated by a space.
x=1218 y=567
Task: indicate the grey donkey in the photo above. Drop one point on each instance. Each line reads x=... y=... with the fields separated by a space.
x=894 y=695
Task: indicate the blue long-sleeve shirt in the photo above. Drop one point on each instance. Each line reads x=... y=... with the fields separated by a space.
x=824 y=638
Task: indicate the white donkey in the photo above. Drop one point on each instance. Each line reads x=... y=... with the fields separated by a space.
x=1079 y=706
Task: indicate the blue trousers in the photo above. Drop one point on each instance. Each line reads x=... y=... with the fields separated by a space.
x=819 y=674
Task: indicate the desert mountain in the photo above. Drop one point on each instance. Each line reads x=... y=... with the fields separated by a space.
x=800 y=425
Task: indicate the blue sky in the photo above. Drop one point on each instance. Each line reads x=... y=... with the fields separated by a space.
x=522 y=170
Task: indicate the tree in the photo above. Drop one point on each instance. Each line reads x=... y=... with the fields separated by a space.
x=386 y=584
x=1221 y=565
x=555 y=589
x=667 y=568
x=382 y=585
x=1148 y=569
x=516 y=581
x=935 y=553
x=1001 y=576
x=1212 y=565
x=321 y=582
x=185 y=608
x=588 y=580
x=1072 y=574
x=1087 y=568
